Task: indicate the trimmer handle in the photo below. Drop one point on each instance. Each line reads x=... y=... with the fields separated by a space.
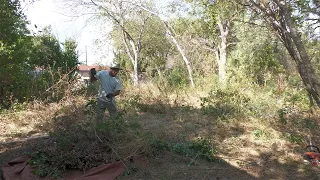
x=310 y=147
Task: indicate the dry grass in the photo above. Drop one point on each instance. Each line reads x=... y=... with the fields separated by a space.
x=252 y=146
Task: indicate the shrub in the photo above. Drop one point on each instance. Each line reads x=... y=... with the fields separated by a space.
x=224 y=103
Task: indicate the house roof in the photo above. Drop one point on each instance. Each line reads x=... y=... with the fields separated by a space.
x=87 y=68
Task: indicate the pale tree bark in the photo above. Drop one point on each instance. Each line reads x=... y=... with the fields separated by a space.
x=174 y=40
x=184 y=57
x=219 y=49
x=133 y=49
x=221 y=53
x=277 y=14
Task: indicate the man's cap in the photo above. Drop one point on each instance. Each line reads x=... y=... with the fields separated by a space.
x=115 y=65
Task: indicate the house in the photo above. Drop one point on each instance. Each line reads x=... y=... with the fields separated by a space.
x=83 y=71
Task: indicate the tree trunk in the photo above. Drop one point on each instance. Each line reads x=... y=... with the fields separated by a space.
x=133 y=55
x=222 y=50
x=305 y=69
x=185 y=59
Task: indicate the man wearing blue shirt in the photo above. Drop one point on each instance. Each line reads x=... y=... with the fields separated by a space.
x=110 y=86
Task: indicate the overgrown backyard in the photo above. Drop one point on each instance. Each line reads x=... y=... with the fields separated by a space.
x=207 y=89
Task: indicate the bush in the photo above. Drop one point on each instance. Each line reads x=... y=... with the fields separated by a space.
x=224 y=103
x=197 y=148
x=177 y=78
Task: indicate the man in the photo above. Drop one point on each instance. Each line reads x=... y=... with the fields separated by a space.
x=110 y=86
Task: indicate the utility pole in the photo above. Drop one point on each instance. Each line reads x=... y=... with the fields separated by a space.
x=86 y=57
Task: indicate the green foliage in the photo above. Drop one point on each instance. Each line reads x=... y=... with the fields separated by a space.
x=81 y=145
x=310 y=123
x=40 y=161
x=155 y=47
x=115 y=124
x=33 y=65
x=313 y=49
x=48 y=53
x=13 y=53
x=132 y=103
x=224 y=103
x=91 y=89
x=12 y=21
x=160 y=145
x=177 y=78
x=197 y=148
x=293 y=138
x=16 y=106
x=258 y=59
x=78 y=151
x=261 y=134
x=264 y=61
x=281 y=114
x=90 y=108
x=296 y=98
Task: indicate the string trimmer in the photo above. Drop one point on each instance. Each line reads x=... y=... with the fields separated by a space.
x=312 y=154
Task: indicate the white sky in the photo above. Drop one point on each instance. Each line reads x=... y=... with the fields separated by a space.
x=50 y=12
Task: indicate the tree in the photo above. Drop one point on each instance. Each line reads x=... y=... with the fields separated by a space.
x=70 y=55
x=13 y=53
x=218 y=17
x=280 y=16
x=12 y=21
x=154 y=45
x=48 y=52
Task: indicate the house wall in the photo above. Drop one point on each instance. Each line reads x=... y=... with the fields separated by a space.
x=84 y=74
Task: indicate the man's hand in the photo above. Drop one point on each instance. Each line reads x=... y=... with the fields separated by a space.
x=110 y=95
x=93 y=71
x=92 y=74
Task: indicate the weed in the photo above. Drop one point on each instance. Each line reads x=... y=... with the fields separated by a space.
x=261 y=134
x=177 y=78
x=197 y=148
x=180 y=149
x=309 y=123
x=202 y=147
x=132 y=103
x=293 y=138
x=131 y=169
x=16 y=106
x=281 y=114
x=160 y=144
x=90 y=107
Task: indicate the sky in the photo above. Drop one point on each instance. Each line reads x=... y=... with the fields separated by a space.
x=50 y=12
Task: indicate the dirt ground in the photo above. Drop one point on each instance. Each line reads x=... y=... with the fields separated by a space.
x=272 y=164
x=239 y=154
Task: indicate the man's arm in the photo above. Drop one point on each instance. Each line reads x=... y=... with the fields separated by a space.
x=92 y=74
